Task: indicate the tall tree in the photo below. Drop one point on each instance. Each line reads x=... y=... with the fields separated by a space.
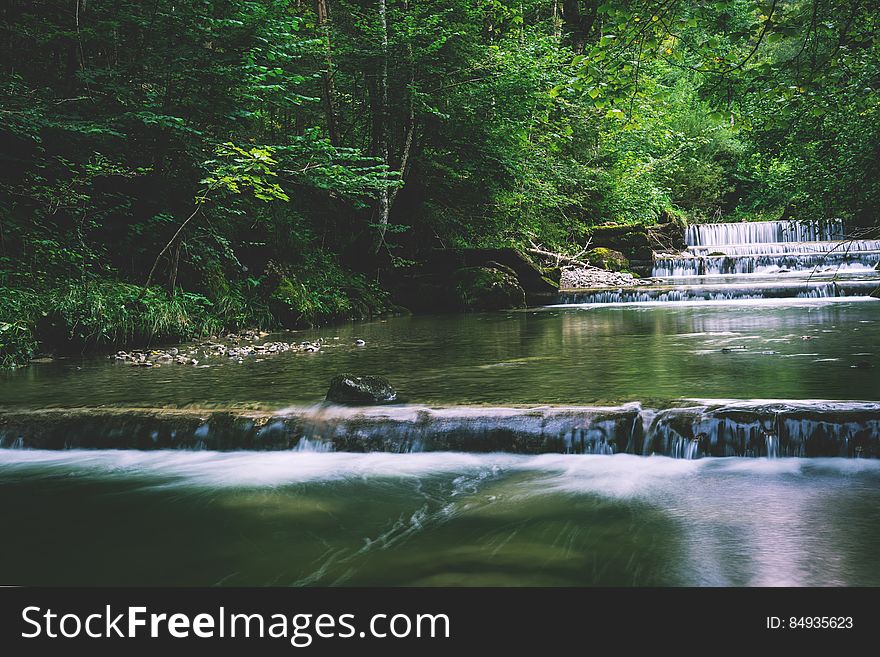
x=328 y=86
x=381 y=119
x=579 y=17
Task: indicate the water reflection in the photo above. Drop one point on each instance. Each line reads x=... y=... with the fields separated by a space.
x=797 y=350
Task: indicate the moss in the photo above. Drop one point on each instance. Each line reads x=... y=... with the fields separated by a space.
x=607 y=259
x=487 y=288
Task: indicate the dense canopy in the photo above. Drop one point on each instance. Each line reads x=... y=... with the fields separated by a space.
x=177 y=168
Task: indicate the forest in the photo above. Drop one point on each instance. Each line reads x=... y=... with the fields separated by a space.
x=171 y=169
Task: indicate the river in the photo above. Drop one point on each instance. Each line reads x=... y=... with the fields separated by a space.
x=643 y=437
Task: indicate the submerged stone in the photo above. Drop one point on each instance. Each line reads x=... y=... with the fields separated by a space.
x=350 y=389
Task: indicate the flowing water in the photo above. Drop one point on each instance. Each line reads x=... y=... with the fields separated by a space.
x=617 y=437
x=770 y=247
x=201 y=518
x=721 y=234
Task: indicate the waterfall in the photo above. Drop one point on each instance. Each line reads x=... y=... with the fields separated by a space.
x=786 y=248
x=838 y=261
x=769 y=248
x=764 y=232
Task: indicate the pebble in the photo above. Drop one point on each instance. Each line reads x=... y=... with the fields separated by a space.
x=579 y=278
x=236 y=351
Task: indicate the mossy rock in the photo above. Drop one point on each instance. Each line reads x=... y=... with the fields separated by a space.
x=631 y=241
x=607 y=259
x=491 y=264
x=671 y=216
x=487 y=288
x=553 y=275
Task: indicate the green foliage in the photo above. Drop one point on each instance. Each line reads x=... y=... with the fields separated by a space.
x=237 y=168
x=114 y=313
x=98 y=313
x=505 y=122
x=317 y=290
x=19 y=312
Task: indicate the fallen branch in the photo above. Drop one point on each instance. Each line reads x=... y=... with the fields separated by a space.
x=561 y=258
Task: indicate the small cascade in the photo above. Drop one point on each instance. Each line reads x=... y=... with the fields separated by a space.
x=851 y=247
x=309 y=445
x=771 y=445
x=753 y=429
x=684 y=448
x=764 y=232
x=798 y=289
x=726 y=265
x=769 y=247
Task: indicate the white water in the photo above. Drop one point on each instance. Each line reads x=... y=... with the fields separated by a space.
x=836 y=261
x=764 y=231
x=786 y=248
x=769 y=247
x=439 y=518
x=620 y=475
x=727 y=291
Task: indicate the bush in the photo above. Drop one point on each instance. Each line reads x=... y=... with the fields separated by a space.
x=97 y=313
x=19 y=311
x=319 y=290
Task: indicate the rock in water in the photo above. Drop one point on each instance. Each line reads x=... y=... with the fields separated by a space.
x=350 y=389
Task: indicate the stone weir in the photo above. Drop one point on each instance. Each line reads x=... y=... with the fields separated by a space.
x=690 y=430
x=798 y=289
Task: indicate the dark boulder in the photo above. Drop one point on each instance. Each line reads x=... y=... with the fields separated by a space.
x=350 y=389
x=667 y=236
x=487 y=288
x=632 y=241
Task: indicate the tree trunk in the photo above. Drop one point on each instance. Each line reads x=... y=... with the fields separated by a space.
x=328 y=88
x=380 y=120
x=557 y=26
x=410 y=129
x=579 y=23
